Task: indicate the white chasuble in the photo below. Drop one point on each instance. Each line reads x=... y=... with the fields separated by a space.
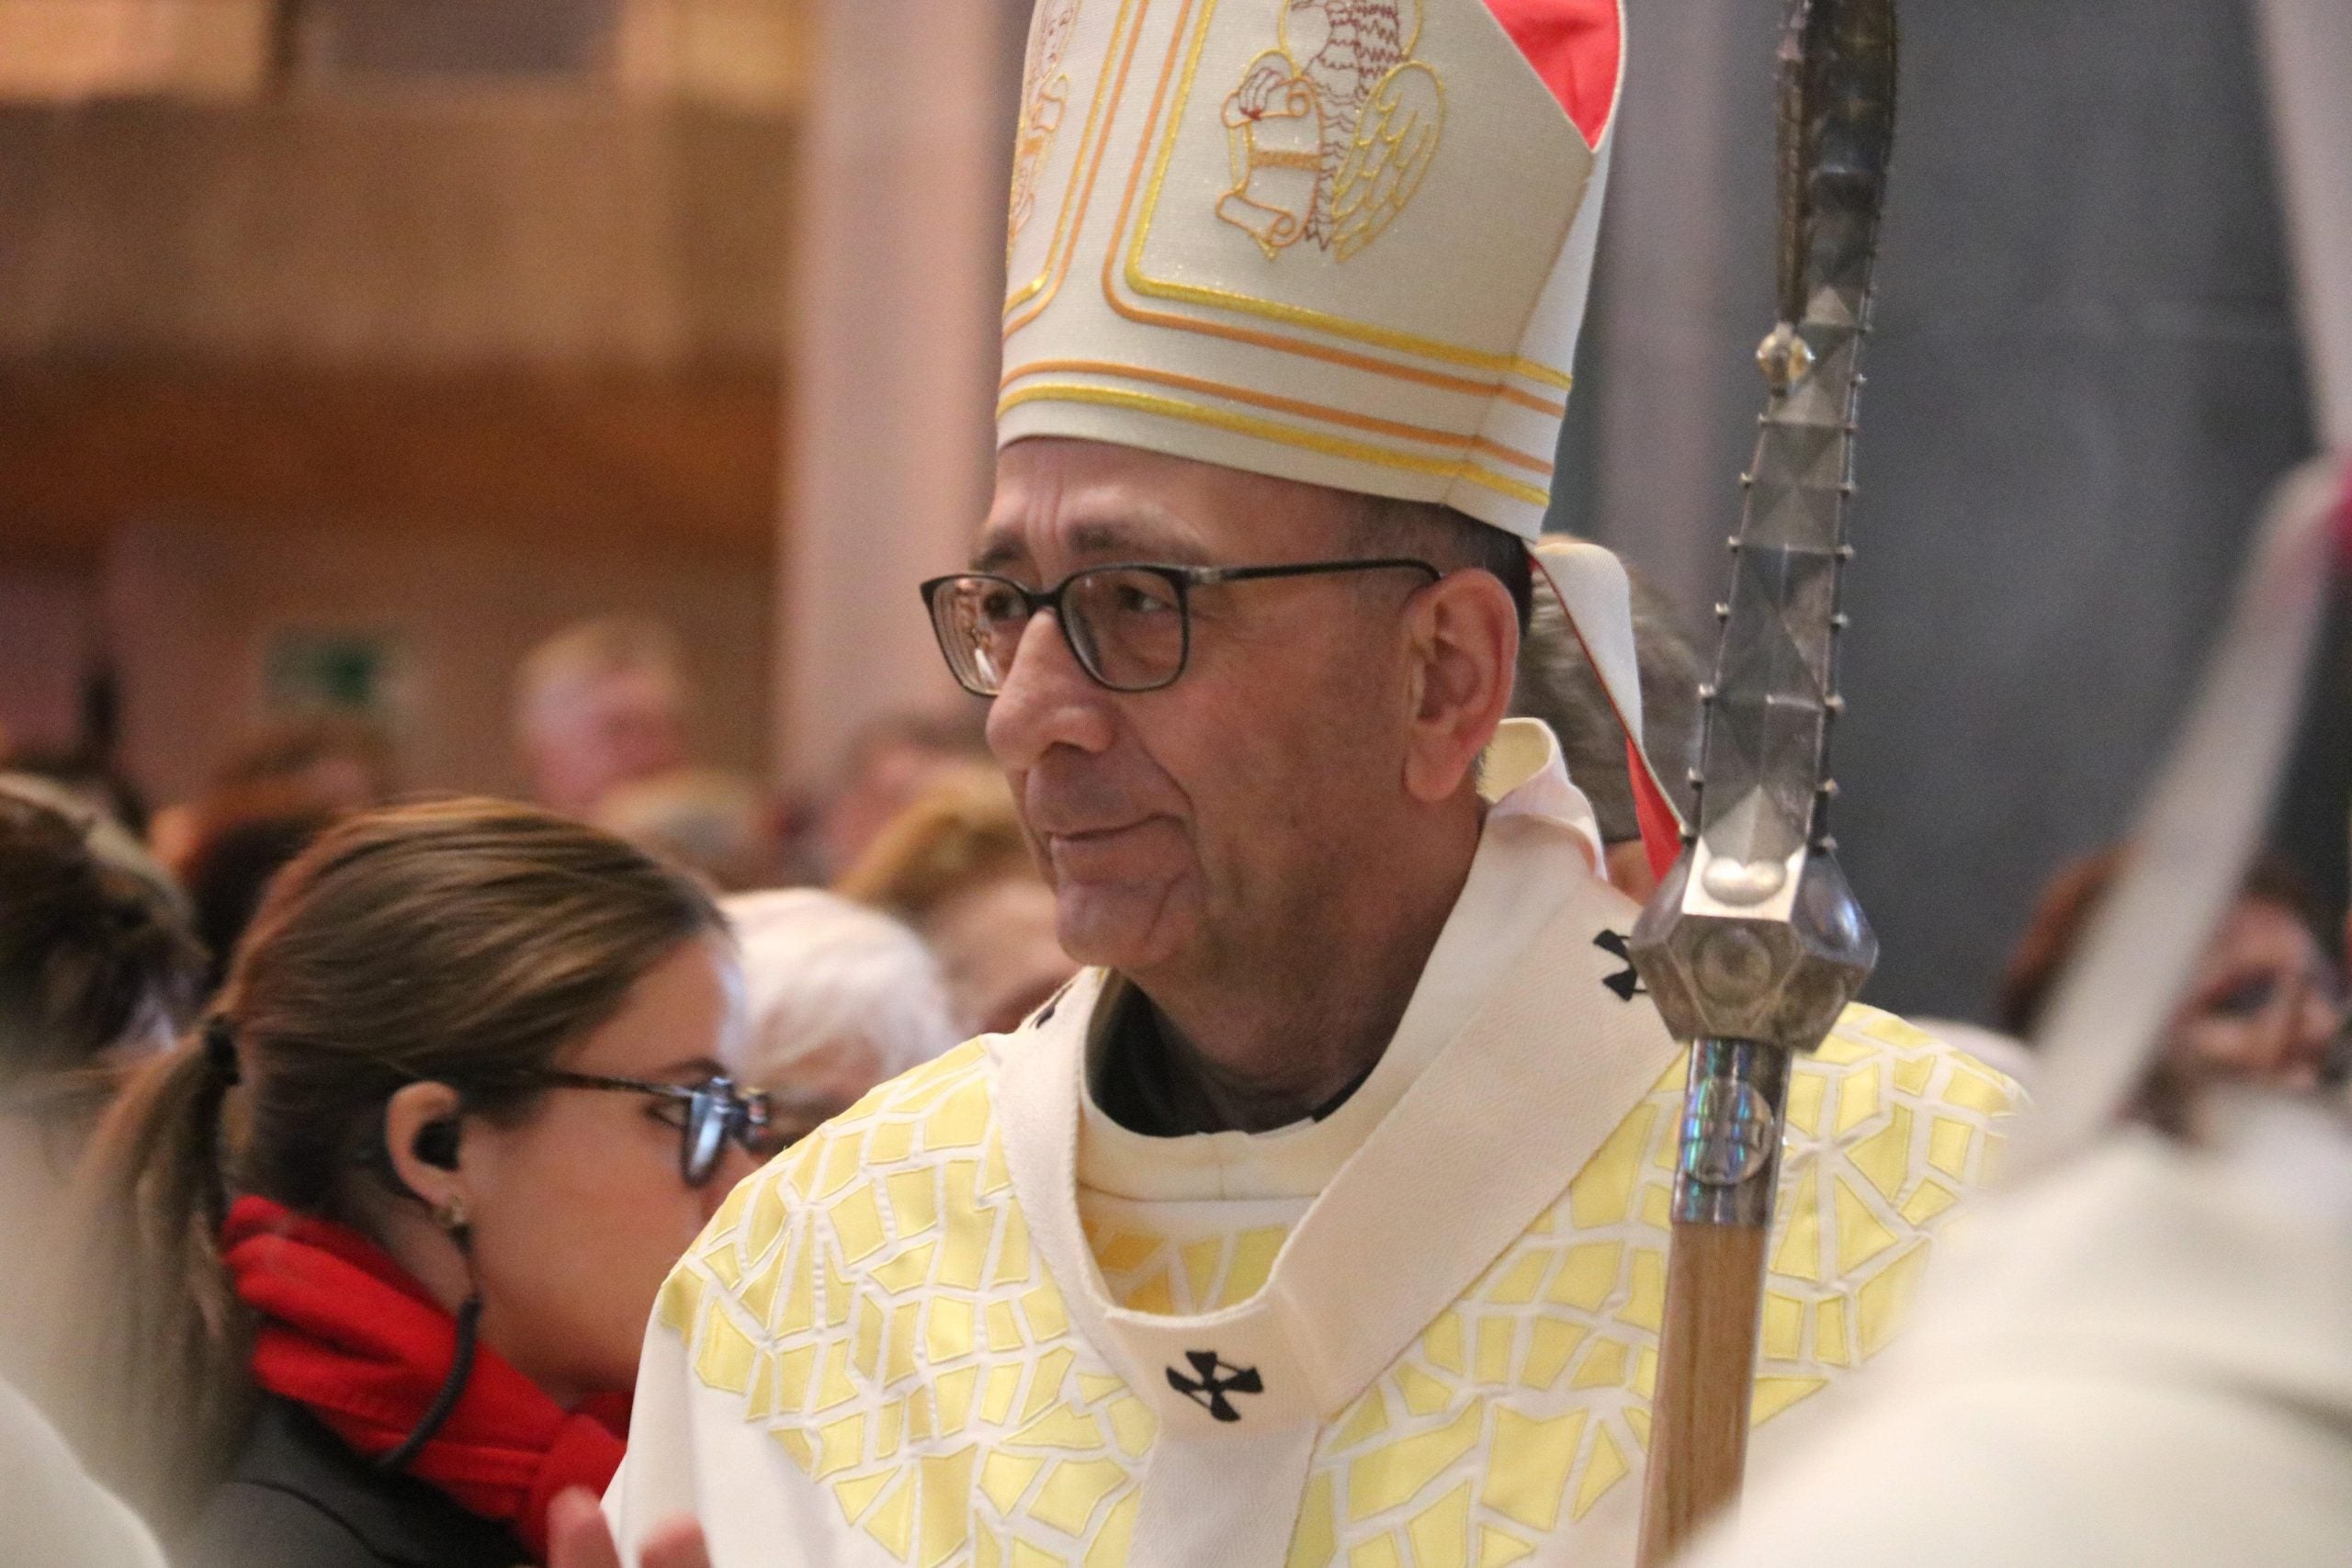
x=973 y=1321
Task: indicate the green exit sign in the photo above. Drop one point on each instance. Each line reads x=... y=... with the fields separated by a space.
x=330 y=671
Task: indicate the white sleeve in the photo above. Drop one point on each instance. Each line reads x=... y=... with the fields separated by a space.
x=693 y=1452
x=50 y=1511
x=656 y=1481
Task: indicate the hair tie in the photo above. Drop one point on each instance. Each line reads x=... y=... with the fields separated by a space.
x=221 y=1050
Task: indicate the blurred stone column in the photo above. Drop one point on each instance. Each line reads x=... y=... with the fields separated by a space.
x=892 y=351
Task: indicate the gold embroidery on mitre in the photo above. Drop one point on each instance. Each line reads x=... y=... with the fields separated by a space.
x=1044 y=100
x=1330 y=133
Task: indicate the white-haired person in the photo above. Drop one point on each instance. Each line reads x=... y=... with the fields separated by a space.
x=838 y=997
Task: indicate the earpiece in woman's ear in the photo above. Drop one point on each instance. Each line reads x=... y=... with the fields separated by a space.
x=437 y=1143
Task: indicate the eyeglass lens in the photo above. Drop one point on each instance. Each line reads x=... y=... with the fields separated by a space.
x=706 y=1131
x=1126 y=626
x=980 y=621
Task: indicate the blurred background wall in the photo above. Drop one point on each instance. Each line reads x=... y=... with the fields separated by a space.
x=371 y=340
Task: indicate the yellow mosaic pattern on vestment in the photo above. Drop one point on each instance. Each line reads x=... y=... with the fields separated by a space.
x=1174 y=1271
x=873 y=1299
x=1525 y=1405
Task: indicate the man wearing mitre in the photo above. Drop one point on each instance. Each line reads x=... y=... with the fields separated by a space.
x=1323 y=1217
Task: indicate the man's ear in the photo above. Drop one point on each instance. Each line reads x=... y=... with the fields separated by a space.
x=1462 y=637
x=423 y=1142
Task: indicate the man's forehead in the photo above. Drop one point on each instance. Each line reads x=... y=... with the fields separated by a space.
x=1064 y=501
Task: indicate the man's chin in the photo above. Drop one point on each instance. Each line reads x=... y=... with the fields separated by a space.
x=1121 y=927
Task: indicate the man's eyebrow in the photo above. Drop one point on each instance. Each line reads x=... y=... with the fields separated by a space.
x=1134 y=539
x=999 y=552
x=1146 y=539
x=693 y=1070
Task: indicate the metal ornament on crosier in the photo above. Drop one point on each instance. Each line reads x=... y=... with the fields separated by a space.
x=1754 y=943
x=1756 y=938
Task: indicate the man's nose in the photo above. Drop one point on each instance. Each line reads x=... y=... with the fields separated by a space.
x=1048 y=700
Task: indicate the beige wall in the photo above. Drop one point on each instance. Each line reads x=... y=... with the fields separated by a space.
x=76 y=50
x=517 y=226
x=452 y=365
x=750 y=54
x=190 y=612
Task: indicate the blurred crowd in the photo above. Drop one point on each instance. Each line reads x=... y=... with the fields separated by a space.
x=237 y=1032
x=246 y=1041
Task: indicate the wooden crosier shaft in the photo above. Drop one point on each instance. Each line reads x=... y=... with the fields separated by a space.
x=1706 y=1365
x=1727 y=1169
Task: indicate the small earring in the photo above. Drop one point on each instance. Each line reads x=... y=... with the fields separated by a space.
x=451 y=1213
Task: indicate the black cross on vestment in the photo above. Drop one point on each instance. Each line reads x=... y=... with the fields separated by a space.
x=1627 y=983
x=1212 y=1381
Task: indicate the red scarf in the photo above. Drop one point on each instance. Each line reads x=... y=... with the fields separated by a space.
x=349 y=1335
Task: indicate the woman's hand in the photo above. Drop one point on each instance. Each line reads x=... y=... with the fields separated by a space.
x=577 y=1537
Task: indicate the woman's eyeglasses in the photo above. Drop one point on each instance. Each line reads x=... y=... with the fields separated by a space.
x=709 y=1115
x=1129 y=626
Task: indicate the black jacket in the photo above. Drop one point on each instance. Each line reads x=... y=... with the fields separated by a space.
x=298 y=1498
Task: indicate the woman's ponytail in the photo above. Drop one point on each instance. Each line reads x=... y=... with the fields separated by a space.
x=152 y=1341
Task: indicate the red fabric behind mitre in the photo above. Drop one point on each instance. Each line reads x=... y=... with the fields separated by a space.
x=1573 y=47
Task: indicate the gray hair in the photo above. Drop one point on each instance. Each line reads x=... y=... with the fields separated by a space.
x=1557 y=684
x=821 y=972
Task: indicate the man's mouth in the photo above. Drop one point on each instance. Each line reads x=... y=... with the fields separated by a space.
x=1104 y=850
x=1087 y=838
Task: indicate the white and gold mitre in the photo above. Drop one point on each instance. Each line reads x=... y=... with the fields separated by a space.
x=1345 y=242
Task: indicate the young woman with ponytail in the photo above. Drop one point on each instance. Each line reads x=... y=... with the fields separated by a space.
x=373 y=1250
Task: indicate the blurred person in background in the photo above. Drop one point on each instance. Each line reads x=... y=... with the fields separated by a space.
x=719 y=825
x=370 y=1253
x=1557 y=684
x=244 y=837
x=342 y=758
x=892 y=763
x=601 y=704
x=839 y=999
x=956 y=867
x=94 y=783
x=2267 y=1005
x=98 y=971
x=281 y=788
x=341 y=762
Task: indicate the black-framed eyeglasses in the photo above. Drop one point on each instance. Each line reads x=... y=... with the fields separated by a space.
x=710 y=1114
x=1129 y=625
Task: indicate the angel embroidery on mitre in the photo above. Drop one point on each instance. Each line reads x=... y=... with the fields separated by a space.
x=1331 y=133
x=1045 y=98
